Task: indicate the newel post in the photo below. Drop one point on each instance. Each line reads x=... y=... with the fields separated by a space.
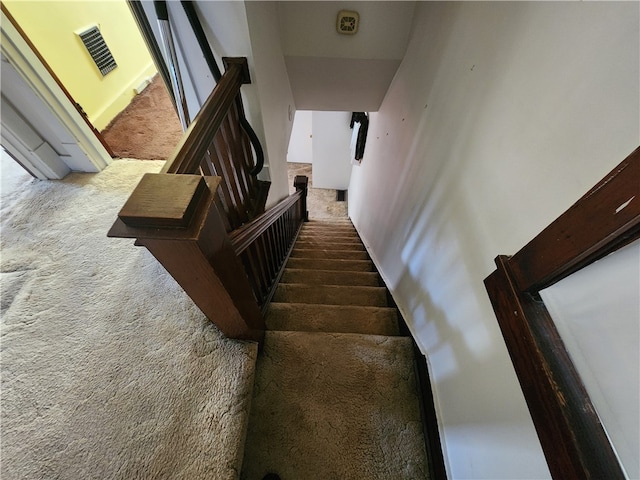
x=301 y=182
x=175 y=218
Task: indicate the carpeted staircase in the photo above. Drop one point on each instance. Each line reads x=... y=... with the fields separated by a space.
x=335 y=394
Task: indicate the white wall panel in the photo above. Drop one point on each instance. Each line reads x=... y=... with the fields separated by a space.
x=500 y=117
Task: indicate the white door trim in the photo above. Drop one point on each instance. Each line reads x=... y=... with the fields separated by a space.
x=16 y=50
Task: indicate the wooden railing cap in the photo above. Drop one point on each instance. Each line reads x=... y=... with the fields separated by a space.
x=162 y=200
x=242 y=61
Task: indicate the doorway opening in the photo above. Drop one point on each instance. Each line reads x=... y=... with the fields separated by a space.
x=322 y=148
x=128 y=107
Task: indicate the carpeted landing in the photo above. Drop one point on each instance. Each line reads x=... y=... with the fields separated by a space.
x=335 y=394
x=108 y=369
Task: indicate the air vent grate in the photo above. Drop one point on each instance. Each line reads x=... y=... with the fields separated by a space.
x=347 y=23
x=98 y=49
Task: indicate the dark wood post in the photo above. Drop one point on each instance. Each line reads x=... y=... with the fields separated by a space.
x=175 y=218
x=301 y=182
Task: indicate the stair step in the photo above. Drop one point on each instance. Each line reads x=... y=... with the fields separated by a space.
x=330 y=277
x=331 y=294
x=320 y=228
x=330 y=233
x=321 y=253
x=328 y=238
x=327 y=245
x=330 y=228
x=332 y=318
x=324 y=264
x=355 y=394
x=333 y=221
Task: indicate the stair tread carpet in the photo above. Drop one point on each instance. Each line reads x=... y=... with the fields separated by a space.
x=325 y=253
x=347 y=232
x=328 y=224
x=331 y=264
x=331 y=294
x=335 y=395
x=328 y=238
x=330 y=277
x=342 y=233
x=329 y=245
x=332 y=318
x=335 y=406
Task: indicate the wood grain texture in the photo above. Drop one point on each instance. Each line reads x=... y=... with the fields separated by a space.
x=572 y=437
x=217 y=144
x=603 y=220
x=209 y=285
x=242 y=237
x=151 y=205
x=200 y=257
x=197 y=139
x=265 y=244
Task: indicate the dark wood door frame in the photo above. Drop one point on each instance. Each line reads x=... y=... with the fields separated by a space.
x=139 y=15
x=602 y=221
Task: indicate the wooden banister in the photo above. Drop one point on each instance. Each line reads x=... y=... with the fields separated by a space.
x=244 y=236
x=230 y=277
x=185 y=232
x=572 y=240
x=570 y=432
x=264 y=244
x=203 y=216
x=217 y=144
x=193 y=147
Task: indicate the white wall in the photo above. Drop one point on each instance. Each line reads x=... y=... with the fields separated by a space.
x=226 y=24
x=276 y=101
x=331 y=150
x=499 y=118
x=600 y=329
x=301 y=141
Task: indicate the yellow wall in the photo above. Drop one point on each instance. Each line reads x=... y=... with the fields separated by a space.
x=52 y=27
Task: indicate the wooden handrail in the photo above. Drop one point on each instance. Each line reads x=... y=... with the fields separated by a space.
x=203 y=216
x=230 y=277
x=605 y=219
x=264 y=244
x=243 y=237
x=197 y=139
x=571 y=241
x=217 y=144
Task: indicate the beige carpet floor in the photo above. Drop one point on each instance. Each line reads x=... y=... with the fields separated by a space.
x=108 y=370
x=335 y=406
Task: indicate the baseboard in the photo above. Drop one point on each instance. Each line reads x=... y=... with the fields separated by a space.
x=431 y=431
x=430 y=425
x=120 y=101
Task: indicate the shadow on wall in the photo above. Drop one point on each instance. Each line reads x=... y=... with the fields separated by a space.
x=443 y=218
x=453 y=322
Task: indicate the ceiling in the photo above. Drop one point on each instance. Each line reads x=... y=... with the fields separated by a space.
x=330 y=71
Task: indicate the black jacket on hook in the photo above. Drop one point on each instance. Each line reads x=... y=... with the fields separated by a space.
x=363 y=119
